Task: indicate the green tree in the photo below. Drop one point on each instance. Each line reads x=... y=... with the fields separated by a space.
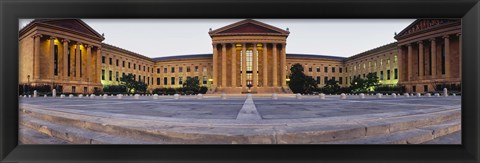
x=357 y=84
x=331 y=86
x=191 y=84
x=133 y=85
x=371 y=81
x=299 y=82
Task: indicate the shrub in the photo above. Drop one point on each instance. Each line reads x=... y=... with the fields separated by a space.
x=114 y=89
x=203 y=90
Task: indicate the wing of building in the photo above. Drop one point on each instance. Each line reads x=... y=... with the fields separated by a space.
x=245 y=55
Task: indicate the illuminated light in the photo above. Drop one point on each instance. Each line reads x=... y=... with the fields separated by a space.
x=259 y=45
x=210 y=79
x=288 y=79
x=238 y=45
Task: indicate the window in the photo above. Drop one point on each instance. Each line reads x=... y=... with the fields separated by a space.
x=395 y=59
x=188 y=68
x=395 y=74
x=165 y=81
x=123 y=74
x=80 y=63
x=144 y=69
x=180 y=80
x=340 y=80
x=144 y=79
x=205 y=78
x=333 y=69
x=381 y=75
x=325 y=79
x=103 y=74
x=333 y=78
x=103 y=57
x=158 y=81
x=134 y=66
x=325 y=69
x=110 y=61
x=165 y=70
x=73 y=89
x=117 y=63
x=158 y=70
x=318 y=69
x=318 y=79
x=388 y=74
x=173 y=69
x=340 y=69
x=388 y=61
x=148 y=80
x=425 y=88
x=196 y=68
x=55 y=60
x=123 y=63
x=180 y=69
x=172 y=81
x=116 y=76
x=310 y=69
x=204 y=68
x=128 y=64
x=110 y=75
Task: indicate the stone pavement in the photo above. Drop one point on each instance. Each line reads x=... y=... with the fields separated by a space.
x=261 y=113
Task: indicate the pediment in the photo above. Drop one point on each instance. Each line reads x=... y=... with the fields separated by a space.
x=76 y=25
x=421 y=25
x=249 y=26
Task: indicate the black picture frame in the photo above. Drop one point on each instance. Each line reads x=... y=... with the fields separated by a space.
x=11 y=11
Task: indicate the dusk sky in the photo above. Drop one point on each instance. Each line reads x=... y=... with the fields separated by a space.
x=168 y=37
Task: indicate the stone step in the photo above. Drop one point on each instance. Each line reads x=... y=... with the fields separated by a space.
x=151 y=130
x=73 y=134
x=411 y=136
x=30 y=136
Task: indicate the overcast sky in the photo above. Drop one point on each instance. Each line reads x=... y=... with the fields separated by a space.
x=167 y=37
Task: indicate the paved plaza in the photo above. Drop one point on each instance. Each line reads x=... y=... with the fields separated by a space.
x=254 y=114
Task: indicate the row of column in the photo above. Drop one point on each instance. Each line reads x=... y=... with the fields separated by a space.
x=255 y=66
x=433 y=51
x=64 y=74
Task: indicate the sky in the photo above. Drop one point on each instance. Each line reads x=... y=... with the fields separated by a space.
x=173 y=37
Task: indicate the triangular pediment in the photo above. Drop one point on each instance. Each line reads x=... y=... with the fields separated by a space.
x=249 y=26
x=76 y=25
x=421 y=25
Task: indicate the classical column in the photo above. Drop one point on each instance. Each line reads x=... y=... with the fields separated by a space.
x=65 y=59
x=447 y=56
x=215 y=65
x=434 y=57
x=420 y=60
x=244 y=66
x=264 y=65
x=99 y=66
x=255 y=64
x=275 y=66
x=459 y=55
x=51 y=59
x=400 y=64
x=409 y=64
x=234 y=66
x=77 y=61
x=36 y=74
x=224 y=65
x=283 y=57
x=89 y=54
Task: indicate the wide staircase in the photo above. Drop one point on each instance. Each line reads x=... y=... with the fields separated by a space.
x=39 y=126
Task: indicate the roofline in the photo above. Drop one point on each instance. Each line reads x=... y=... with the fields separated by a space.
x=374 y=50
x=105 y=45
x=39 y=22
x=182 y=56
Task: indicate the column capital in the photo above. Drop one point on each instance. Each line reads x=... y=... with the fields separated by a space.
x=52 y=38
x=88 y=46
x=459 y=34
x=37 y=35
x=432 y=39
x=420 y=42
x=79 y=43
x=65 y=40
x=409 y=44
x=446 y=36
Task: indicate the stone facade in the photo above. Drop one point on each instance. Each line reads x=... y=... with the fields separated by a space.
x=48 y=51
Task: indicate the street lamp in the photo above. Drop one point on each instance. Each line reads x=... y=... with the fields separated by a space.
x=28 y=81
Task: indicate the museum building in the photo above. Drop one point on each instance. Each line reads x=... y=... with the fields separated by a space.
x=245 y=54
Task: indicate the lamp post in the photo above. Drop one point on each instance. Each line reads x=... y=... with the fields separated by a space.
x=28 y=81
